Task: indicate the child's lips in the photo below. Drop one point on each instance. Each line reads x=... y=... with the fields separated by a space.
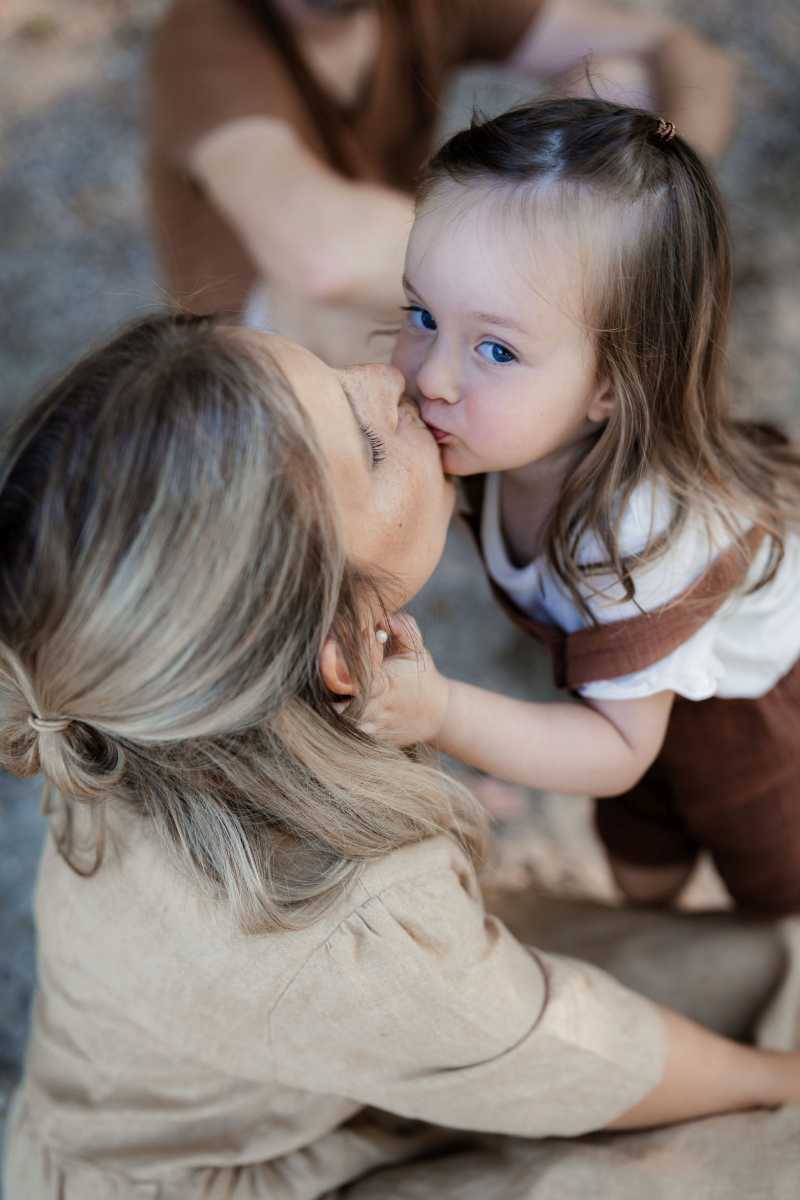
x=441 y=435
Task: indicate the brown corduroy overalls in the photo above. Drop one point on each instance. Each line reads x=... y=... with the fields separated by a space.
x=727 y=778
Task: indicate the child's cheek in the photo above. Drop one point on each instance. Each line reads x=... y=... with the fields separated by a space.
x=457 y=460
x=403 y=359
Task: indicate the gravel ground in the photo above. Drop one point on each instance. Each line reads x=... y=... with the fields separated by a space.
x=75 y=261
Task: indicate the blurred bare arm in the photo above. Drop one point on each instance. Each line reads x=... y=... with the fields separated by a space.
x=707 y=1074
x=330 y=239
x=692 y=82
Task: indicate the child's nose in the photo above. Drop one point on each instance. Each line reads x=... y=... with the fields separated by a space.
x=436 y=378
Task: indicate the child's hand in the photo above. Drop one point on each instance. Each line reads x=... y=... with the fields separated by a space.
x=409 y=698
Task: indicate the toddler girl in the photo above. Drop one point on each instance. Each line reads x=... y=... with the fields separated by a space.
x=568 y=282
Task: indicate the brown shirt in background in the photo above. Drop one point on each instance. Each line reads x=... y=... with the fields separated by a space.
x=215 y=61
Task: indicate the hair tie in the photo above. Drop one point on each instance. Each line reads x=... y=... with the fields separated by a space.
x=48 y=724
x=665 y=130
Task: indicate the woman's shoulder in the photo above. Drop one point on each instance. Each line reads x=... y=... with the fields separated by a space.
x=432 y=858
x=415 y=951
x=426 y=893
x=140 y=887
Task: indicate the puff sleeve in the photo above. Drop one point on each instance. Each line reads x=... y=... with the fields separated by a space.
x=421 y=1003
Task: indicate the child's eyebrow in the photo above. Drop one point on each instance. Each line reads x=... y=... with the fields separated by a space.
x=503 y=322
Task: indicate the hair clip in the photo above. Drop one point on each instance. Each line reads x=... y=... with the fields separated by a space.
x=665 y=130
x=48 y=724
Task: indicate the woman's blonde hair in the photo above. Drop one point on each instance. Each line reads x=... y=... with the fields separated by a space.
x=171 y=567
x=657 y=304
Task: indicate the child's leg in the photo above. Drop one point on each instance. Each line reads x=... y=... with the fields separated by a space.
x=734 y=767
x=650 y=885
x=755 y=842
x=651 y=853
x=764 y=877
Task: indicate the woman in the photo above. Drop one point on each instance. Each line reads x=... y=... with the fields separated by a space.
x=265 y=965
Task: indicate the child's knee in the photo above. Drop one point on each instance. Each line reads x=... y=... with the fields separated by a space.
x=656 y=885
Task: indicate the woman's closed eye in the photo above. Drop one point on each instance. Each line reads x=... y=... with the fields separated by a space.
x=420 y=318
x=377 y=445
x=495 y=352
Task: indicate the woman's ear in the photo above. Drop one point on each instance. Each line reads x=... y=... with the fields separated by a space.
x=603 y=403
x=334 y=670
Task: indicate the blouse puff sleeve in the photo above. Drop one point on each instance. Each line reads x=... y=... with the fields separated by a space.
x=422 y=1004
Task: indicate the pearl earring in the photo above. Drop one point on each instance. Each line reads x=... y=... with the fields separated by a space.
x=382 y=636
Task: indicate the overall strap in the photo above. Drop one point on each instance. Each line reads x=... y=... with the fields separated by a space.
x=626 y=646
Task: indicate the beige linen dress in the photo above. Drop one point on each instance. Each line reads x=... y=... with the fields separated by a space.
x=172 y=1055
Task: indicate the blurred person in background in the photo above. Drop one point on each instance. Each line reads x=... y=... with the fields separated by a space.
x=285 y=136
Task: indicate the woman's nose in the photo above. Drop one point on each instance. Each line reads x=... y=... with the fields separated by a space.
x=382 y=387
x=436 y=380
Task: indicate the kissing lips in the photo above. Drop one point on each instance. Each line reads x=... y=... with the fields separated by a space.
x=441 y=435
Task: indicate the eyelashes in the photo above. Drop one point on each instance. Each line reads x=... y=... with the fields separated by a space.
x=377 y=445
x=419 y=318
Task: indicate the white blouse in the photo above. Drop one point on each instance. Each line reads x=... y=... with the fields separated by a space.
x=742 y=651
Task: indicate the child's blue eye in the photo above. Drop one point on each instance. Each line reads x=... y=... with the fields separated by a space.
x=494 y=352
x=419 y=318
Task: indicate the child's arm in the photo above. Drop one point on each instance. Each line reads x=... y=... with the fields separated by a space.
x=600 y=749
x=636 y=57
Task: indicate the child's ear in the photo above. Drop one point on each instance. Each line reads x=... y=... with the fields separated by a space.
x=603 y=403
x=334 y=670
